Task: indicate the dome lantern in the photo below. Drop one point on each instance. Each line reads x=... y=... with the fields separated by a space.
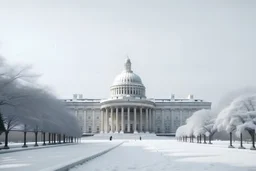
x=128 y=65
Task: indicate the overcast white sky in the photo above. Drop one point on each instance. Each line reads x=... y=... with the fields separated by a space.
x=177 y=47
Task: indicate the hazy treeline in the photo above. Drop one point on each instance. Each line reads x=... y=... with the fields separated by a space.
x=236 y=113
x=26 y=105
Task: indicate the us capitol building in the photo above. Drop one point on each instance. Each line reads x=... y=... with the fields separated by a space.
x=128 y=110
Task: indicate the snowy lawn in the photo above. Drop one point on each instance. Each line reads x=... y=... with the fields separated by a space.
x=170 y=155
x=47 y=158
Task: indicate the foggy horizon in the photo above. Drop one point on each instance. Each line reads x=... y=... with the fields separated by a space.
x=176 y=47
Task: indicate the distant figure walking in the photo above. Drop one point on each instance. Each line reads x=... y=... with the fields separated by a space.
x=110 y=138
x=140 y=138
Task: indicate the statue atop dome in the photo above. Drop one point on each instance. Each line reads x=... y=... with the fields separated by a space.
x=128 y=65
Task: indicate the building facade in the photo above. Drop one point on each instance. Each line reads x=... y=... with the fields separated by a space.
x=128 y=110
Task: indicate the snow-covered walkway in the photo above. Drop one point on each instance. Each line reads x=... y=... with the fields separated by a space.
x=166 y=155
x=52 y=158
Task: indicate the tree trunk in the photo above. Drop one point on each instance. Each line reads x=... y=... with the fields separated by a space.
x=49 y=138
x=241 y=141
x=64 y=139
x=204 y=139
x=230 y=141
x=6 y=140
x=59 y=138
x=25 y=140
x=200 y=139
x=253 y=140
x=210 y=139
x=44 y=138
x=54 y=138
x=36 y=139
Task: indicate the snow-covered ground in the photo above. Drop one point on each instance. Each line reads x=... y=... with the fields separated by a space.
x=50 y=158
x=166 y=155
x=151 y=154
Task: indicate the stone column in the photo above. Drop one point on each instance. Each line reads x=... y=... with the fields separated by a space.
x=163 y=130
x=140 y=119
x=153 y=120
x=172 y=122
x=101 y=121
x=181 y=118
x=147 y=120
x=122 y=121
x=85 y=118
x=107 y=121
x=150 y=120
x=128 y=120
x=112 y=120
x=93 y=120
x=117 y=121
x=135 y=121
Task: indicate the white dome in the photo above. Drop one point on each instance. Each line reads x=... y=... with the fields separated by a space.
x=127 y=83
x=127 y=78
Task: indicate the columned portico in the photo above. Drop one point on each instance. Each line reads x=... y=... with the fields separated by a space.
x=128 y=120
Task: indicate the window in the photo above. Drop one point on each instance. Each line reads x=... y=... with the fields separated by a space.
x=97 y=117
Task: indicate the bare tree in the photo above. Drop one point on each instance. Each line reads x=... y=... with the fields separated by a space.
x=10 y=121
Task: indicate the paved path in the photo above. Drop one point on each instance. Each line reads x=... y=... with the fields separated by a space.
x=48 y=158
